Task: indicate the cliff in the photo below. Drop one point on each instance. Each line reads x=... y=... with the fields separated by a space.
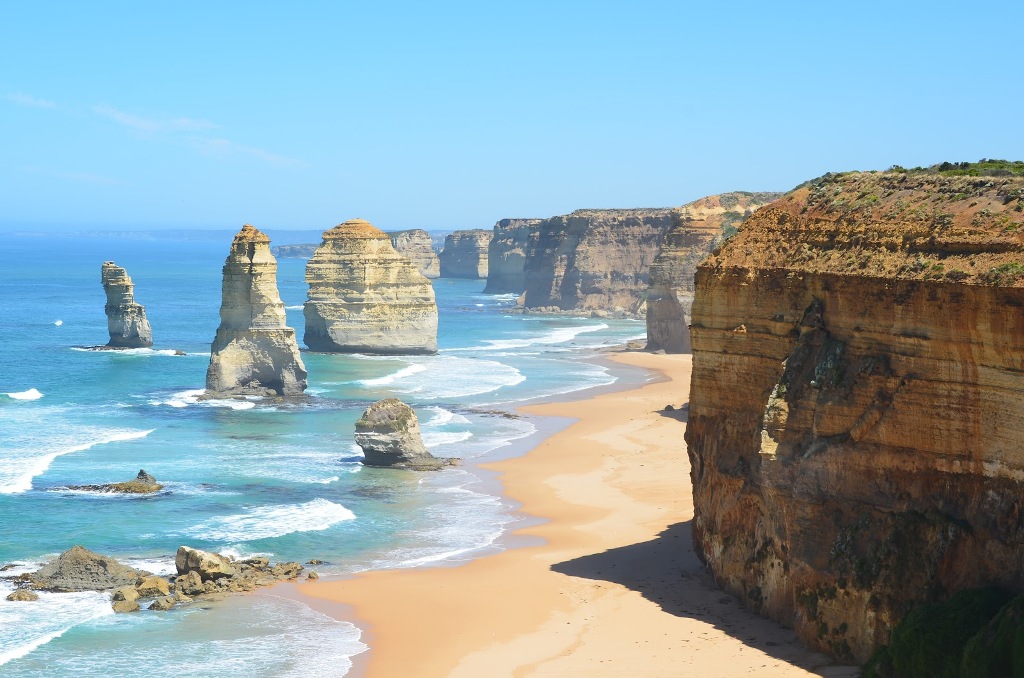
x=126 y=320
x=698 y=227
x=856 y=428
x=506 y=255
x=303 y=251
x=465 y=254
x=416 y=245
x=254 y=352
x=594 y=259
x=364 y=297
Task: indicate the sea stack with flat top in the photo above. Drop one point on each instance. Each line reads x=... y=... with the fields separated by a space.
x=126 y=319
x=254 y=352
x=364 y=297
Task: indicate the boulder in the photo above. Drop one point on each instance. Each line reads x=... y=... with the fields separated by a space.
x=126 y=320
x=163 y=603
x=125 y=606
x=189 y=584
x=79 y=569
x=208 y=565
x=126 y=593
x=22 y=595
x=389 y=434
x=152 y=587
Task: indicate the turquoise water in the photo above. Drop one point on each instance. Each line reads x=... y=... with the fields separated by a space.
x=241 y=477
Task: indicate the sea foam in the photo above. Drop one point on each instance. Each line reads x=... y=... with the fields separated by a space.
x=31 y=394
x=28 y=626
x=447 y=376
x=264 y=522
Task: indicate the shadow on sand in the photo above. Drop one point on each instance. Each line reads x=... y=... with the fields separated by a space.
x=667 y=572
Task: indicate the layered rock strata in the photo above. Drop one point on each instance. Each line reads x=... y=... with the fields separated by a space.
x=415 y=244
x=465 y=254
x=698 y=227
x=856 y=421
x=364 y=297
x=126 y=319
x=254 y=352
x=506 y=255
x=389 y=435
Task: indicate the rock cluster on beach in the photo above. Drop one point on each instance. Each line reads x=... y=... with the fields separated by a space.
x=126 y=319
x=364 y=297
x=506 y=255
x=415 y=244
x=698 y=226
x=465 y=254
x=855 y=432
x=254 y=352
x=143 y=483
x=389 y=435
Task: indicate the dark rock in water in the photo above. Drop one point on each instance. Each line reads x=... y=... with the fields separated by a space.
x=79 y=569
x=125 y=606
x=312 y=575
x=210 y=566
x=389 y=434
x=163 y=603
x=22 y=595
x=126 y=320
x=144 y=483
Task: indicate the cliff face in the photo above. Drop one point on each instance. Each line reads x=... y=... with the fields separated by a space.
x=856 y=423
x=594 y=259
x=416 y=245
x=699 y=226
x=126 y=320
x=254 y=352
x=506 y=255
x=364 y=297
x=465 y=254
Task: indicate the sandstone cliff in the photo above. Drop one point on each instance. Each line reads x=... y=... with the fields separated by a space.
x=506 y=255
x=254 y=352
x=465 y=254
x=364 y=297
x=594 y=259
x=302 y=251
x=416 y=245
x=698 y=227
x=856 y=422
x=126 y=320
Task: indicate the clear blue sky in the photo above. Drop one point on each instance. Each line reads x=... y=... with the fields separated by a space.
x=139 y=115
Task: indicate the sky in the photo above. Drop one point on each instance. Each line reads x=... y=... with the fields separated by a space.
x=450 y=115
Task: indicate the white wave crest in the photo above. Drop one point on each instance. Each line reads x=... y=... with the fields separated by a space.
x=392 y=378
x=191 y=397
x=442 y=417
x=28 y=626
x=265 y=522
x=560 y=335
x=294 y=308
x=31 y=394
x=448 y=376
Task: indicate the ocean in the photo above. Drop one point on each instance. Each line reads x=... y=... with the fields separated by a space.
x=242 y=477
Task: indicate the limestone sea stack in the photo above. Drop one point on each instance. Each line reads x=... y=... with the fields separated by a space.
x=126 y=319
x=697 y=227
x=364 y=297
x=465 y=254
x=254 y=352
x=506 y=255
x=389 y=434
x=856 y=421
x=415 y=244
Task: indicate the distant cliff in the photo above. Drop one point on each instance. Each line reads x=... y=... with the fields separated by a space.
x=856 y=420
x=465 y=254
x=698 y=227
x=506 y=255
x=293 y=251
x=416 y=245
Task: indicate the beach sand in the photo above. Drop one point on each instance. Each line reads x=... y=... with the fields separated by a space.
x=609 y=584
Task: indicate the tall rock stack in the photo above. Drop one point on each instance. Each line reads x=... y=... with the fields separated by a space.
x=699 y=226
x=416 y=245
x=465 y=254
x=126 y=319
x=364 y=297
x=506 y=255
x=254 y=352
x=856 y=421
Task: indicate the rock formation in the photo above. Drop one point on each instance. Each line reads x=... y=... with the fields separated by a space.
x=208 y=565
x=856 y=422
x=506 y=255
x=698 y=227
x=415 y=244
x=143 y=483
x=79 y=569
x=465 y=254
x=594 y=260
x=364 y=297
x=303 y=251
x=389 y=434
x=254 y=352
x=126 y=319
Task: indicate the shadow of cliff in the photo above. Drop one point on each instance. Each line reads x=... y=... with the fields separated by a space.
x=667 y=572
x=681 y=413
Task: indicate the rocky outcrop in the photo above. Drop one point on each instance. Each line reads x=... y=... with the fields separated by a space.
x=143 y=483
x=856 y=421
x=594 y=260
x=465 y=254
x=698 y=227
x=22 y=595
x=208 y=565
x=364 y=297
x=254 y=352
x=79 y=569
x=126 y=319
x=506 y=255
x=389 y=434
x=415 y=244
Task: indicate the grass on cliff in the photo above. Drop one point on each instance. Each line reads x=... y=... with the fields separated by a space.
x=985 y=167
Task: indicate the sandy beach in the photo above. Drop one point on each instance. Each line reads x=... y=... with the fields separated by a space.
x=608 y=584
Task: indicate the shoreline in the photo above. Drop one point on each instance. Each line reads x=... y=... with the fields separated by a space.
x=597 y=576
